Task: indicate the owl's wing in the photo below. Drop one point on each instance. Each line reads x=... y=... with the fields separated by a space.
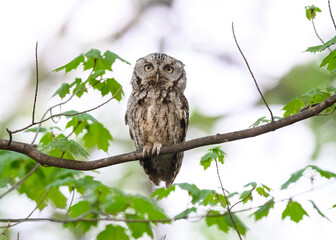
x=184 y=118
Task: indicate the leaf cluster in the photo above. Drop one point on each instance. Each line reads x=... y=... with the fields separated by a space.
x=213 y=154
x=330 y=60
x=98 y=65
x=309 y=98
x=311 y=12
x=94 y=200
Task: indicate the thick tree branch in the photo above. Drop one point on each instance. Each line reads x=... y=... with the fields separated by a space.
x=44 y=159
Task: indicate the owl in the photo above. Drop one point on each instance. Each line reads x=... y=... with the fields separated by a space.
x=158 y=114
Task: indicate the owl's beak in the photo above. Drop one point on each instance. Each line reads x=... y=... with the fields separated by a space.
x=157 y=77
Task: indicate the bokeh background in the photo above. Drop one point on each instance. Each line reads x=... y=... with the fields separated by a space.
x=272 y=34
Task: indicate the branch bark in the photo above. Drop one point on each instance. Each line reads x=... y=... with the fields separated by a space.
x=43 y=159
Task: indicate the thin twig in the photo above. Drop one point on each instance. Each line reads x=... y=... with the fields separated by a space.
x=10 y=136
x=227 y=205
x=317 y=35
x=18 y=183
x=331 y=15
x=31 y=213
x=242 y=200
x=248 y=66
x=37 y=82
x=71 y=201
x=4 y=231
x=63 y=114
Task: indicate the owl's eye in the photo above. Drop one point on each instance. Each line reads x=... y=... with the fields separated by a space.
x=169 y=69
x=148 y=67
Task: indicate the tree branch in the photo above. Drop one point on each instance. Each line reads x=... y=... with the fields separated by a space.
x=252 y=75
x=43 y=159
x=331 y=15
x=37 y=82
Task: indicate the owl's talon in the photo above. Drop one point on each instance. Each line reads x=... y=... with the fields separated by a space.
x=156 y=148
x=146 y=151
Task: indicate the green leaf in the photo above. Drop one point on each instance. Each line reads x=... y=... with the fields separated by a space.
x=213 y=154
x=77 y=125
x=146 y=207
x=92 y=58
x=293 y=107
x=47 y=139
x=13 y=165
x=185 y=213
x=263 y=120
x=79 y=88
x=72 y=65
x=263 y=210
x=41 y=130
x=252 y=184
x=138 y=229
x=63 y=90
x=113 y=232
x=64 y=145
x=330 y=60
x=80 y=117
x=315 y=95
x=110 y=58
x=294 y=210
x=261 y=191
x=110 y=85
x=246 y=196
x=202 y=197
x=116 y=202
x=97 y=135
x=311 y=12
x=318 y=210
x=259 y=122
x=293 y=178
x=87 y=182
x=93 y=53
x=323 y=47
x=224 y=223
x=58 y=199
x=220 y=222
x=323 y=173
x=113 y=87
x=162 y=192
x=82 y=208
x=207 y=159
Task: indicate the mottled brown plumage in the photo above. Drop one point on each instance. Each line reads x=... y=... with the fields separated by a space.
x=158 y=114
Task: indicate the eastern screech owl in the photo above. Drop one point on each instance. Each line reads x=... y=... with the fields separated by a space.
x=158 y=114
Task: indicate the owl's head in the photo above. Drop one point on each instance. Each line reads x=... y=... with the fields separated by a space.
x=159 y=69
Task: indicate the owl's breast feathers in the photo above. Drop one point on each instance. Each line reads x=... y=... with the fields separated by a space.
x=156 y=115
